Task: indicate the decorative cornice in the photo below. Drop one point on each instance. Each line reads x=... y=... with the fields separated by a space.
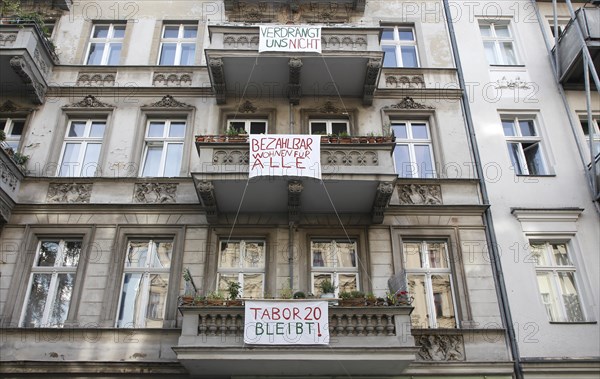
x=373 y=69
x=217 y=70
x=206 y=193
x=382 y=199
x=166 y=79
x=96 y=79
x=168 y=102
x=408 y=103
x=328 y=107
x=9 y=107
x=89 y=101
x=247 y=107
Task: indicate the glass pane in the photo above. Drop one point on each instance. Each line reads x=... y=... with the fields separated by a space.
x=585 y=127
x=167 y=54
x=317 y=280
x=559 y=250
x=70 y=162
x=323 y=254
x=224 y=280
x=90 y=160
x=442 y=299
x=254 y=255
x=48 y=254
x=258 y=127
x=346 y=254
x=156 y=129
x=130 y=301
x=62 y=299
x=416 y=286
x=338 y=128
x=152 y=163
x=177 y=129
x=71 y=253
x=157 y=298
x=423 y=161
x=240 y=126
x=95 y=55
x=77 y=129
x=513 y=151
x=570 y=298
x=17 y=127
x=539 y=254
x=188 y=53
x=388 y=34
x=409 y=56
x=419 y=131
x=173 y=160
x=404 y=167
x=437 y=255
x=97 y=129
x=190 y=31
x=38 y=294
x=100 y=31
x=406 y=35
x=502 y=31
x=318 y=128
x=533 y=157
x=509 y=127
x=119 y=32
x=114 y=54
x=527 y=128
x=137 y=254
x=162 y=253
x=508 y=53
x=253 y=286
x=399 y=130
x=347 y=282
x=389 y=56
x=230 y=255
x=490 y=54
x=171 y=31
x=548 y=295
x=412 y=254
x=485 y=30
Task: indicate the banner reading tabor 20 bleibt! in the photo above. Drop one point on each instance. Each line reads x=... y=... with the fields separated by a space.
x=286 y=322
x=295 y=38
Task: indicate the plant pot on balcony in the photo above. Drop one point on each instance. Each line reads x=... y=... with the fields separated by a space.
x=352 y=302
x=235 y=303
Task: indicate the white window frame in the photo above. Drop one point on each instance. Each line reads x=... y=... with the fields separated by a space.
x=553 y=269
x=163 y=141
x=411 y=142
x=8 y=123
x=499 y=57
x=108 y=42
x=427 y=271
x=328 y=125
x=334 y=271
x=54 y=271
x=521 y=167
x=179 y=41
x=247 y=124
x=146 y=271
x=595 y=131
x=397 y=43
x=78 y=167
x=241 y=269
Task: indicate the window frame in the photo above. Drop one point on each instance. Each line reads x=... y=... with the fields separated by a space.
x=518 y=138
x=82 y=141
x=8 y=123
x=179 y=41
x=241 y=270
x=398 y=43
x=335 y=271
x=328 y=125
x=164 y=142
x=109 y=41
x=248 y=124
x=499 y=58
x=411 y=142
x=595 y=132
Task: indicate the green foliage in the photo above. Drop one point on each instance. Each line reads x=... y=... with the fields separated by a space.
x=20 y=159
x=233 y=288
x=215 y=295
x=326 y=286
x=285 y=292
x=299 y=295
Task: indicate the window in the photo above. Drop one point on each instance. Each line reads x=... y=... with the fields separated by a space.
x=586 y=132
x=248 y=126
x=81 y=149
x=105 y=44
x=498 y=43
x=429 y=282
x=13 y=129
x=163 y=151
x=51 y=283
x=244 y=262
x=413 y=153
x=331 y=127
x=524 y=146
x=556 y=281
x=399 y=46
x=145 y=284
x=178 y=45
x=335 y=260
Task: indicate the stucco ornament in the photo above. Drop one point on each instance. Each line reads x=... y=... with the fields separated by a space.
x=440 y=348
x=69 y=192
x=420 y=194
x=160 y=193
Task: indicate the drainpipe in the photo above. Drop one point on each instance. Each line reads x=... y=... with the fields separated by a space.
x=291 y=223
x=501 y=293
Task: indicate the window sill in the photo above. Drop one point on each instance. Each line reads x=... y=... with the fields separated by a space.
x=573 y=323
x=537 y=176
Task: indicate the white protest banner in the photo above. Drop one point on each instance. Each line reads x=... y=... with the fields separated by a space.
x=285 y=155
x=294 y=38
x=269 y=322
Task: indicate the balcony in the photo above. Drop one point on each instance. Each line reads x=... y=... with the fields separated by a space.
x=349 y=65
x=570 y=47
x=26 y=62
x=363 y=341
x=357 y=179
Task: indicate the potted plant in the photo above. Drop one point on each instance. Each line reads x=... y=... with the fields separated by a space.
x=233 y=288
x=299 y=295
x=352 y=298
x=285 y=292
x=189 y=290
x=233 y=135
x=327 y=289
x=215 y=298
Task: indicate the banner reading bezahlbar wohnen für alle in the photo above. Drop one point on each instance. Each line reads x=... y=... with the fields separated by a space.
x=296 y=38
x=285 y=155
